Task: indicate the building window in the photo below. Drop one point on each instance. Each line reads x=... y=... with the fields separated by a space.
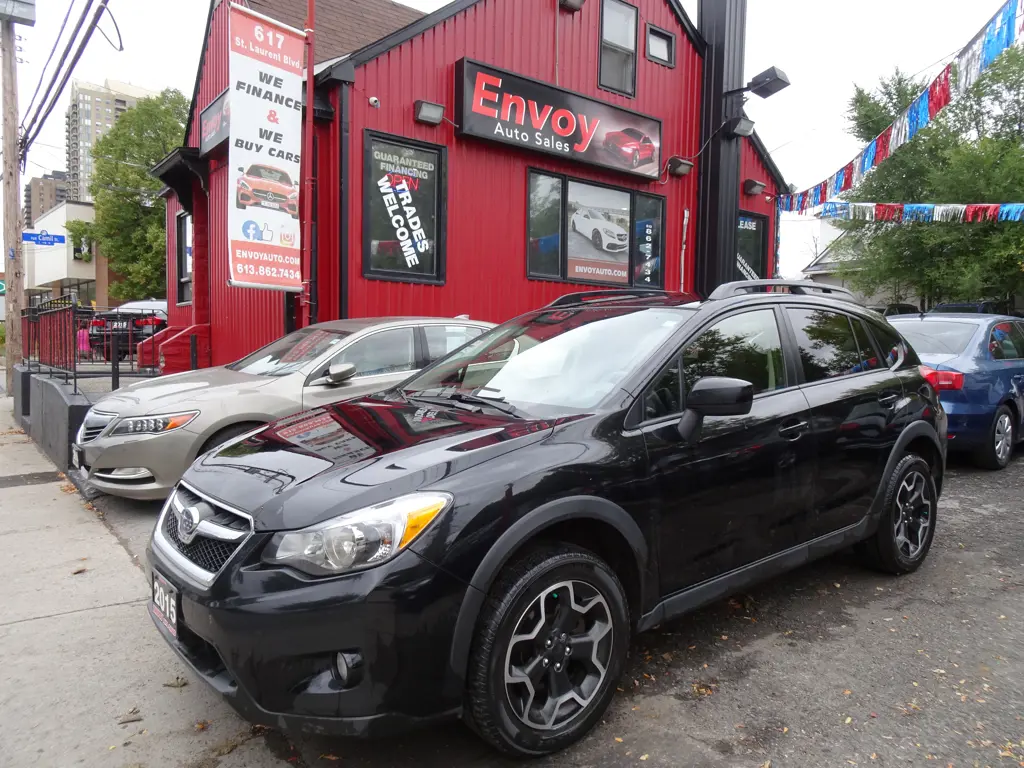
x=752 y=247
x=661 y=46
x=586 y=233
x=403 y=210
x=183 y=242
x=618 y=47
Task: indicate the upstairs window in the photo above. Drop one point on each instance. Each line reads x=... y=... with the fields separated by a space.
x=618 y=47
x=661 y=46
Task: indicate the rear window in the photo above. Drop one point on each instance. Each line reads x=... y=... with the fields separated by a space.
x=937 y=338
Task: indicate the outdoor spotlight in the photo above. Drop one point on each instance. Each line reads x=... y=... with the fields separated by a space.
x=572 y=5
x=753 y=187
x=429 y=113
x=769 y=82
x=679 y=166
x=739 y=126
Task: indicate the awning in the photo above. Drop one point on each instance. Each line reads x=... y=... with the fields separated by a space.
x=178 y=170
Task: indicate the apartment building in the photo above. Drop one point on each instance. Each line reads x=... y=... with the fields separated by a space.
x=44 y=194
x=92 y=113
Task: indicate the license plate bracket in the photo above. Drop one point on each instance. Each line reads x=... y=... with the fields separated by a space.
x=164 y=603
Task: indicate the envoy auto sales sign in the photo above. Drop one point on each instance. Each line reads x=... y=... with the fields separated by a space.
x=265 y=72
x=504 y=107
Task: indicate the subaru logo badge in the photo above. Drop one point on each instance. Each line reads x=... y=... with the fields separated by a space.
x=188 y=523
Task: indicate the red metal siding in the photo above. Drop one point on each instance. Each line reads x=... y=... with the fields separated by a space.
x=241 y=319
x=176 y=316
x=328 y=183
x=752 y=167
x=486 y=246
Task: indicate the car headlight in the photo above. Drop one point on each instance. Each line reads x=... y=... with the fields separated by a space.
x=293 y=196
x=356 y=540
x=244 y=186
x=609 y=232
x=153 y=425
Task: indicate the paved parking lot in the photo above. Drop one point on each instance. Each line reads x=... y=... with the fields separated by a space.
x=831 y=665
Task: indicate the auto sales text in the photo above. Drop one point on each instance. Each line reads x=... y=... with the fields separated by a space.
x=408 y=229
x=515 y=109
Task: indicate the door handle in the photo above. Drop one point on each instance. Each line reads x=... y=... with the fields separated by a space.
x=793 y=431
x=888 y=399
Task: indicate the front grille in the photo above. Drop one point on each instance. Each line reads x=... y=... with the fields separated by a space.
x=272 y=197
x=208 y=554
x=93 y=424
x=621 y=238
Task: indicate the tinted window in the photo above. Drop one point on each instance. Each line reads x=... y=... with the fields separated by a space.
x=890 y=342
x=1005 y=342
x=664 y=398
x=743 y=346
x=868 y=358
x=442 y=339
x=827 y=345
x=384 y=352
x=291 y=353
x=937 y=337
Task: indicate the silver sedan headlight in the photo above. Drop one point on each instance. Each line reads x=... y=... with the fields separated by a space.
x=153 y=425
x=356 y=540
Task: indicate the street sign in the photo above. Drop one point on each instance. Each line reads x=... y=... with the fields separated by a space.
x=42 y=237
x=3 y=287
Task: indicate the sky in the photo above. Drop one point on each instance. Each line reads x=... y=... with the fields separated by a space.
x=824 y=48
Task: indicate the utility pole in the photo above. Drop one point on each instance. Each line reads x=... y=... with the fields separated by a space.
x=13 y=270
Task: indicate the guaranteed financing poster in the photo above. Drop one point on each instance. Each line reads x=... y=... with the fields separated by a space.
x=265 y=72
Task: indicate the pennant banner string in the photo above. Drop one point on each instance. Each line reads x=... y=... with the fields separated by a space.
x=923 y=212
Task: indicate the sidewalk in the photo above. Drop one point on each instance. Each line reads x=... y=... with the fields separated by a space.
x=78 y=649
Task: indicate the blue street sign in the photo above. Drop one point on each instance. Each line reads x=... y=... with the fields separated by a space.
x=3 y=287
x=42 y=237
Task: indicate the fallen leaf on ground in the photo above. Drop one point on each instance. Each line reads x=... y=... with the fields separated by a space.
x=702 y=690
x=202 y=725
x=725 y=637
x=847 y=692
x=766 y=764
x=874 y=755
x=644 y=757
x=81 y=569
x=618 y=739
x=177 y=682
x=666 y=656
x=785 y=730
x=874 y=714
x=837 y=585
x=332 y=758
x=849 y=720
x=1002 y=617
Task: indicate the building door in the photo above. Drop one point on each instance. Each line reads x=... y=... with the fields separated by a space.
x=752 y=247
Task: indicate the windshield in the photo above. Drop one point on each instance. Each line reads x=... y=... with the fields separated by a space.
x=270 y=174
x=932 y=338
x=633 y=133
x=291 y=353
x=560 y=361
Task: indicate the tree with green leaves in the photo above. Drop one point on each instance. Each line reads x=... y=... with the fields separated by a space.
x=129 y=226
x=973 y=152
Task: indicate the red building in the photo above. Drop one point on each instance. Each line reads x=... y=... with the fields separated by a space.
x=557 y=166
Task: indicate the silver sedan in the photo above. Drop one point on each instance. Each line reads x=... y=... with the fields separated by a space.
x=138 y=441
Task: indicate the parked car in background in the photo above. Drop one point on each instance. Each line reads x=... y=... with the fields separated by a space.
x=483 y=539
x=136 y=442
x=974 y=307
x=126 y=326
x=978 y=363
x=886 y=310
x=604 y=233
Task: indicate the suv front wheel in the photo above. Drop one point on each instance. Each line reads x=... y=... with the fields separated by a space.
x=907 y=525
x=548 y=651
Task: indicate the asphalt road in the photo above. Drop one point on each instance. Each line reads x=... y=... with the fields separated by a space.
x=831 y=665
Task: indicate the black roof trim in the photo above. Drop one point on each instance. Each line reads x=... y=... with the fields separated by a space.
x=199 y=72
x=766 y=158
x=418 y=27
x=177 y=170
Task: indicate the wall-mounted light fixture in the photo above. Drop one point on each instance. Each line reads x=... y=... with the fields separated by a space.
x=428 y=113
x=753 y=187
x=769 y=82
x=739 y=126
x=572 y=5
x=679 y=166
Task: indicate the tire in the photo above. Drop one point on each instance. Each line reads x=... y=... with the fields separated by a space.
x=597 y=240
x=572 y=224
x=532 y=585
x=240 y=206
x=884 y=551
x=636 y=159
x=1002 y=436
x=224 y=435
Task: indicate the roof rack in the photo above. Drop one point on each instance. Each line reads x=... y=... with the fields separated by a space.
x=614 y=294
x=800 y=287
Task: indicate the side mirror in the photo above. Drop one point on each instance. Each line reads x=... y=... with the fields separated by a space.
x=714 y=396
x=337 y=374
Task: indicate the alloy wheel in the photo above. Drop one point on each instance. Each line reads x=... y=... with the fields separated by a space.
x=559 y=654
x=1003 y=438
x=913 y=515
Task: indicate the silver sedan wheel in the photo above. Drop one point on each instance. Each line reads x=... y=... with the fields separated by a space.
x=1003 y=438
x=913 y=515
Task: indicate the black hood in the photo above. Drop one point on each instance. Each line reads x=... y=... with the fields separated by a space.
x=321 y=463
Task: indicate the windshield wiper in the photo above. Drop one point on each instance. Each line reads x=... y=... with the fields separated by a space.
x=449 y=394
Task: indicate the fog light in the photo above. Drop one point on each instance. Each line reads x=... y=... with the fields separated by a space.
x=129 y=471
x=349 y=667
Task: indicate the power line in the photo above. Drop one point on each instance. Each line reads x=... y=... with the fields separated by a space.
x=120 y=42
x=49 y=58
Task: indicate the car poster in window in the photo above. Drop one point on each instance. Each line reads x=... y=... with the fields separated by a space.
x=402 y=193
x=501 y=106
x=598 y=242
x=265 y=71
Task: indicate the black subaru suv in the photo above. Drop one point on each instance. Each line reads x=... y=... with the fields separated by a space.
x=483 y=540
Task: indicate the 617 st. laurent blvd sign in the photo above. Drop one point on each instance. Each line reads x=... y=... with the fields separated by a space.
x=505 y=107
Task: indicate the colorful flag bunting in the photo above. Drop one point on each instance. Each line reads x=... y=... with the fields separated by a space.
x=923 y=212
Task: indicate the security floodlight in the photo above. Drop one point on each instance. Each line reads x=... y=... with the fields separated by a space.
x=429 y=113
x=739 y=126
x=753 y=187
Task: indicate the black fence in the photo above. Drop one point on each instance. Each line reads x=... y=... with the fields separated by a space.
x=65 y=339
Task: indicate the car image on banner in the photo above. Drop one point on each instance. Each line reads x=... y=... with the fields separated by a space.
x=265 y=66
x=598 y=237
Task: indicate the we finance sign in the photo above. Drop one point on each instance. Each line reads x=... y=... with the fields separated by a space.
x=505 y=107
